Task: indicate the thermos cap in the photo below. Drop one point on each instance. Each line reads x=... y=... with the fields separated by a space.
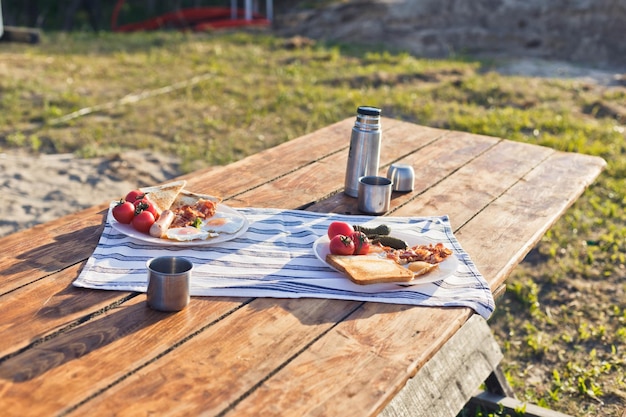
x=368 y=111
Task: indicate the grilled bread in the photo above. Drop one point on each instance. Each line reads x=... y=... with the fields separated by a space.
x=369 y=269
x=162 y=196
x=186 y=198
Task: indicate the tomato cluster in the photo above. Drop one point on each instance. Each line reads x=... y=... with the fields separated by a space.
x=135 y=209
x=345 y=241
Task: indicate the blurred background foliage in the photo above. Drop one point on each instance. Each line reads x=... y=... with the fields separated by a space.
x=68 y=15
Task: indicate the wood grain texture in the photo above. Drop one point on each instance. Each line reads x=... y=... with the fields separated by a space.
x=70 y=350
x=441 y=386
x=357 y=367
x=225 y=361
x=60 y=372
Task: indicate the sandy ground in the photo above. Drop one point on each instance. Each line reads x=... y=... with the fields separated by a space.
x=36 y=189
x=41 y=188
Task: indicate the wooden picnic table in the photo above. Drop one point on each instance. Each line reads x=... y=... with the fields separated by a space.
x=73 y=351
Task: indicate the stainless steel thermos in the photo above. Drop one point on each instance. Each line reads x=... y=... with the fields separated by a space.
x=364 y=154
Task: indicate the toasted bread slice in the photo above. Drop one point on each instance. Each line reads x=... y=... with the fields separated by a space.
x=369 y=269
x=162 y=196
x=420 y=268
x=186 y=198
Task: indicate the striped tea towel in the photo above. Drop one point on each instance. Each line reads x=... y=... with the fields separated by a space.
x=275 y=258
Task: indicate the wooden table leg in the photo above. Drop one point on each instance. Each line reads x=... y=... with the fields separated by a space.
x=451 y=379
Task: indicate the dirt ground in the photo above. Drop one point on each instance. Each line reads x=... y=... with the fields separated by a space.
x=39 y=188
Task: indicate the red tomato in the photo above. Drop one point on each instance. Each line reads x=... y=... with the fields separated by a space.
x=143 y=221
x=339 y=228
x=134 y=196
x=341 y=245
x=124 y=211
x=361 y=243
x=145 y=205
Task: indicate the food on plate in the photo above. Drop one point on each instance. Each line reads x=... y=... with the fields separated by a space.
x=144 y=204
x=160 y=227
x=163 y=196
x=361 y=243
x=389 y=259
x=223 y=223
x=143 y=221
x=420 y=268
x=390 y=242
x=341 y=245
x=170 y=212
x=430 y=253
x=339 y=228
x=380 y=235
x=134 y=195
x=369 y=269
x=192 y=214
x=187 y=233
x=124 y=211
x=380 y=230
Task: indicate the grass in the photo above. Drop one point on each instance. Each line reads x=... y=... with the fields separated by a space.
x=562 y=323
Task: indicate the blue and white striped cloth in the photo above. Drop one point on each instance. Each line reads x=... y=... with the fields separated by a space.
x=275 y=258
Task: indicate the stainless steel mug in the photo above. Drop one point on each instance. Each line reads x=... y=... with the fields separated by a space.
x=168 y=283
x=364 y=154
x=402 y=176
x=374 y=195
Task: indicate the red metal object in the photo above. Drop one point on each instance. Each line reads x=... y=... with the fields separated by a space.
x=195 y=18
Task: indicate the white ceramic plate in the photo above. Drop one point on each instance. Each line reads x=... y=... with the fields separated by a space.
x=446 y=268
x=129 y=231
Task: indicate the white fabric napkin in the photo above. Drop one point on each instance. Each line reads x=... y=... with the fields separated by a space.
x=275 y=258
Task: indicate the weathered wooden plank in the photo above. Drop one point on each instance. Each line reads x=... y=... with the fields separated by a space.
x=47 y=307
x=62 y=371
x=36 y=253
x=500 y=235
x=222 y=363
x=472 y=187
x=358 y=366
x=444 y=385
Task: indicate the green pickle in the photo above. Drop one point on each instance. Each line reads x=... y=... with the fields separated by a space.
x=381 y=230
x=380 y=234
x=390 y=241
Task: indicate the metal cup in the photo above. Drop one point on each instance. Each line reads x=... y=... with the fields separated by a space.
x=374 y=194
x=402 y=176
x=168 y=283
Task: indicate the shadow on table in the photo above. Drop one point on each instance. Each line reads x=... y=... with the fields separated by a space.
x=78 y=342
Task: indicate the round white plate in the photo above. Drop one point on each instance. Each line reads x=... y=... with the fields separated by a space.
x=446 y=268
x=130 y=231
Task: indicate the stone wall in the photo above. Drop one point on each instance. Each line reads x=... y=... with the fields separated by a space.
x=585 y=31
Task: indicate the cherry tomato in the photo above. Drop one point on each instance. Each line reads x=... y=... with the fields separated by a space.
x=143 y=221
x=134 y=196
x=145 y=205
x=124 y=211
x=341 y=245
x=361 y=243
x=339 y=228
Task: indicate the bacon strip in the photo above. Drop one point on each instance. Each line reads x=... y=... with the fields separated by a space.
x=432 y=254
x=187 y=215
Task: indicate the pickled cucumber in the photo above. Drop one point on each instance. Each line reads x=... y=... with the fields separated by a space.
x=370 y=232
x=390 y=241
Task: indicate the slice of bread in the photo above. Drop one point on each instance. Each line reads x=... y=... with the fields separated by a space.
x=162 y=196
x=420 y=268
x=362 y=269
x=186 y=198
